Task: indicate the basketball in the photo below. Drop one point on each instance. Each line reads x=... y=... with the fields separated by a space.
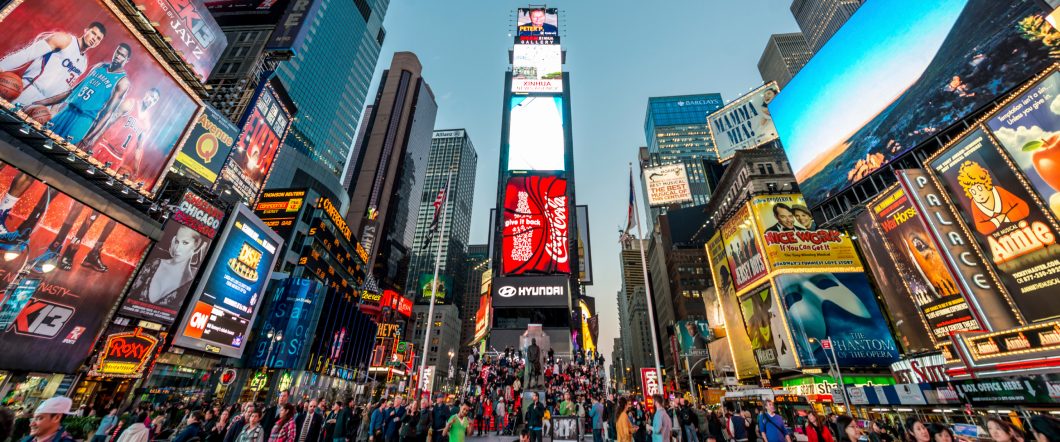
x=10 y=85
x=39 y=113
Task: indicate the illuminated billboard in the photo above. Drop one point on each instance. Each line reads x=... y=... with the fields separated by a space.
x=207 y=147
x=1009 y=223
x=742 y=249
x=535 y=231
x=693 y=336
x=290 y=314
x=263 y=132
x=536 y=139
x=97 y=83
x=538 y=26
x=764 y=320
x=280 y=208
x=896 y=74
x=230 y=291
x=190 y=29
x=744 y=123
x=71 y=264
x=667 y=185
x=739 y=347
x=791 y=238
x=426 y=287
x=537 y=68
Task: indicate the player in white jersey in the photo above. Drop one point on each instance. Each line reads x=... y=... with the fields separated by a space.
x=56 y=61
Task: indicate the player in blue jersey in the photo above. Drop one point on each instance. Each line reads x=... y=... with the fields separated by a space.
x=88 y=107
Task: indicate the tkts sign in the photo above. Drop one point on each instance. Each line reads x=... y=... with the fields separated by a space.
x=535 y=226
x=649 y=381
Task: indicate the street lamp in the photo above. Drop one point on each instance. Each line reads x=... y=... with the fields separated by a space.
x=273 y=338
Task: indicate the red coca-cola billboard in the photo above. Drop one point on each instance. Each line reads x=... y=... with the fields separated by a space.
x=536 y=216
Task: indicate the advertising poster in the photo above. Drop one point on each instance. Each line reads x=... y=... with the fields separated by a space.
x=765 y=327
x=247 y=12
x=921 y=266
x=531 y=291
x=280 y=208
x=1029 y=130
x=97 y=83
x=426 y=288
x=535 y=226
x=263 y=133
x=191 y=30
x=693 y=336
x=207 y=147
x=537 y=68
x=651 y=386
x=1007 y=222
x=667 y=185
x=950 y=58
x=791 y=238
x=125 y=354
x=167 y=274
x=535 y=134
x=907 y=321
x=82 y=261
x=537 y=26
x=743 y=359
x=231 y=289
x=291 y=312
x=841 y=307
x=744 y=123
x=741 y=248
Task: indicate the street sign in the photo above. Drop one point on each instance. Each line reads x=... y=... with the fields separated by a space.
x=826 y=344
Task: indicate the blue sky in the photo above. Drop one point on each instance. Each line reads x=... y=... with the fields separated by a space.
x=883 y=50
x=619 y=53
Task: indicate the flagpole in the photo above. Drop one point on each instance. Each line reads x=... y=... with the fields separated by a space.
x=647 y=281
x=434 y=284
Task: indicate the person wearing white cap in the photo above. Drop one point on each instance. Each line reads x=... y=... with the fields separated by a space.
x=46 y=425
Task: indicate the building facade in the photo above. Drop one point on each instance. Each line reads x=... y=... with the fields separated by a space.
x=820 y=19
x=783 y=57
x=476 y=263
x=445 y=338
x=635 y=330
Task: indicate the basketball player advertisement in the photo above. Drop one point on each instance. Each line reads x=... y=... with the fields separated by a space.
x=207 y=147
x=165 y=279
x=82 y=261
x=1009 y=223
x=535 y=225
x=263 y=133
x=191 y=30
x=73 y=64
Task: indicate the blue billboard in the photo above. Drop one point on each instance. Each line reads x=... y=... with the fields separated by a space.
x=291 y=314
x=841 y=307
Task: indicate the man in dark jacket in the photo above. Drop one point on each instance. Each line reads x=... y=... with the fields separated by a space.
x=686 y=416
x=192 y=432
x=238 y=423
x=535 y=413
x=393 y=420
x=439 y=417
x=272 y=412
x=309 y=423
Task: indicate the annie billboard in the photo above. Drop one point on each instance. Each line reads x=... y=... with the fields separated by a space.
x=744 y=123
x=535 y=231
x=896 y=74
x=75 y=64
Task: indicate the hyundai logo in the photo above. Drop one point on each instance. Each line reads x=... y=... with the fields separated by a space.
x=506 y=291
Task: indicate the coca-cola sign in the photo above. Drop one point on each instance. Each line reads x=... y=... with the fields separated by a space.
x=536 y=217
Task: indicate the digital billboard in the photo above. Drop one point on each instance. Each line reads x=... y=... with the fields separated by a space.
x=280 y=209
x=263 y=133
x=537 y=26
x=841 y=307
x=531 y=291
x=744 y=123
x=247 y=12
x=76 y=260
x=667 y=185
x=929 y=64
x=764 y=321
x=190 y=29
x=742 y=249
x=207 y=147
x=166 y=277
x=290 y=315
x=1009 y=224
x=231 y=289
x=97 y=83
x=921 y=265
x=537 y=68
x=535 y=231
x=1029 y=130
x=426 y=287
x=739 y=343
x=694 y=336
x=536 y=139
x=791 y=239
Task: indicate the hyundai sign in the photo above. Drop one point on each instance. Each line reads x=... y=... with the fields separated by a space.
x=531 y=291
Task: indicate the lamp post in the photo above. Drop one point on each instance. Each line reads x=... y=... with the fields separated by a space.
x=273 y=338
x=826 y=345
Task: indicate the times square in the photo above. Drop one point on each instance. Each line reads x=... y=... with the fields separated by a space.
x=251 y=220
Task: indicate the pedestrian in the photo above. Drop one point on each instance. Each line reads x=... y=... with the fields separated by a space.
x=736 y=426
x=378 y=421
x=849 y=431
x=501 y=413
x=220 y=427
x=1001 y=431
x=46 y=424
x=596 y=413
x=662 y=425
x=750 y=424
x=192 y=432
x=815 y=430
x=771 y=425
x=284 y=428
x=239 y=422
x=393 y=421
x=272 y=412
x=423 y=421
x=715 y=427
x=879 y=433
x=407 y=430
x=535 y=416
x=915 y=431
x=106 y=425
x=1045 y=428
x=331 y=420
x=939 y=433
x=457 y=426
x=252 y=431
x=439 y=418
x=567 y=408
x=624 y=422
x=311 y=423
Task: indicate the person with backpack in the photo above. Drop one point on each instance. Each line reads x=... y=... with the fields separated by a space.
x=686 y=416
x=771 y=425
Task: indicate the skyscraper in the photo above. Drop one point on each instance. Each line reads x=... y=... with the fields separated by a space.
x=676 y=131
x=476 y=262
x=450 y=150
x=632 y=309
x=820 y=19
x=390 y=168
x=783 y=57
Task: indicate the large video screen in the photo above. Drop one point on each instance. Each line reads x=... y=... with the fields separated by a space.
x=537 y=68
x=73 y=64
x=70 y=264
x=535 y=134
x=536 y=220
x=251 y=159
x=896 y=74
x=230 y=292
x=190 y=29
x=537 y=26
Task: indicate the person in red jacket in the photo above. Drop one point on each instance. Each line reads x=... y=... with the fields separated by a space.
x=817 y=431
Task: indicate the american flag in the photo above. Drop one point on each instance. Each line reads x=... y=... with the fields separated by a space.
x=439 y=201
x=631 y=220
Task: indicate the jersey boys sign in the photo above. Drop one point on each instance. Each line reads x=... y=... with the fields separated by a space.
x=536 y=216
